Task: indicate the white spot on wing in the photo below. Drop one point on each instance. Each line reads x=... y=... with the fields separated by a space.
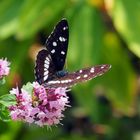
x=62 y=52
x=66 y=81
x=45 y=73
x=102 y=67
x=46 y=66
x=63 y=81
x=64 y=28
x=85 y=76
x=45 y=69
x=47 y=59
x=46 y=62
x=45 y=77
x=62 y=39
x=70 y=80
x=92 y=70
x=54 y=44
x=80 y=71
x=54 y=82
x=78 y=77
x=53 y=51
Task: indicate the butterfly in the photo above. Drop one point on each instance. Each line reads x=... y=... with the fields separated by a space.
x=51 y=60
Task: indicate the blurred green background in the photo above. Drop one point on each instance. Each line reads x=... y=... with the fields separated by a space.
x=101 y=31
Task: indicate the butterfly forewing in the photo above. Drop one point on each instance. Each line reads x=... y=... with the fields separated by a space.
x=44 y=69
x=78 y=76
x=57 y=44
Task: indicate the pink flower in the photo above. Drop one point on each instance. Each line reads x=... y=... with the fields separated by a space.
x=42 y=106
x=4 y=68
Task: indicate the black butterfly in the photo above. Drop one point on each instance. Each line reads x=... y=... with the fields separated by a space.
x=50 y=62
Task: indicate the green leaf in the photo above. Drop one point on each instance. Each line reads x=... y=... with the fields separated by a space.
x=125 y=16
x=87 y=36
x=98 y=46
x=2 y=81
x=4 y=113
x=7 y=100
x=9 y=20
x=28 y=87
x=39 y=16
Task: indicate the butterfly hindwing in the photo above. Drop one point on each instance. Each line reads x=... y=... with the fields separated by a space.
x=79 y=76
x=57 y=44
x=44 y=69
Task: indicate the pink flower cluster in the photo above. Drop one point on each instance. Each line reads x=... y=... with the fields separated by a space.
x=4 y=68
x=42 y=106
